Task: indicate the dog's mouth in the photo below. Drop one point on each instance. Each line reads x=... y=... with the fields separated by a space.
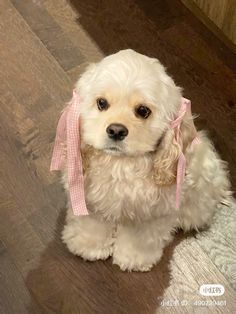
x=114 y=150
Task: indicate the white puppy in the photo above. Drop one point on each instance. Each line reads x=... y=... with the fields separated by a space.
x=130 y=162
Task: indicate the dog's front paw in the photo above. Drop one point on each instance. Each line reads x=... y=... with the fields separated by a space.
x=90 y=239
x=139 y=247
x=131 y=259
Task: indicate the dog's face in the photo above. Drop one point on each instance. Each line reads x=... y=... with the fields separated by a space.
x=127 y=103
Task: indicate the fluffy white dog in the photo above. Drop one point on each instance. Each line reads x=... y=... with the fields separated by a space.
x=130 y=158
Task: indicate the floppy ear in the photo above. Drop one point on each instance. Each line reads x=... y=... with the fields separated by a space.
x=165 y=160
x=167 y=155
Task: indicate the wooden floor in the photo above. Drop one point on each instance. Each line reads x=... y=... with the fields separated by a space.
x=44 y=46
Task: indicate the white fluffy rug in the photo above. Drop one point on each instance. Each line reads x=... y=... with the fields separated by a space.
x=208 y=258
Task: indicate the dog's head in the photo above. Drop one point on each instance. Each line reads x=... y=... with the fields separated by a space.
x=127 y=103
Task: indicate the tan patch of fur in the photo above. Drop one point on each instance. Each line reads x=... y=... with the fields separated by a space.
x=165 y=162
x=166 y=157
x=87 y=152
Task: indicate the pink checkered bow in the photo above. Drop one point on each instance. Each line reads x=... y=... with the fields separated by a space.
x=67 y=134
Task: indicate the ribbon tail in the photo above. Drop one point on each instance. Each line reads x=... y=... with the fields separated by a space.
x=74 y=160
x=180 y=178
x=58 y=156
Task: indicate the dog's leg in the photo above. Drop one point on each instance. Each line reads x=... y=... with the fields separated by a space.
x=139 y=246
x=88 y=237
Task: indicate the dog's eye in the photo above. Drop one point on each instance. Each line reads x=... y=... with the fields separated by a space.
x=102 y=104
x=143 y=111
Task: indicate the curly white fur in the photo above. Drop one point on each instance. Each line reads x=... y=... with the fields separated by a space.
x=130 y=185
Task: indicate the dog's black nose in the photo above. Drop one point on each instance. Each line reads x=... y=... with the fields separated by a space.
x=117 y=132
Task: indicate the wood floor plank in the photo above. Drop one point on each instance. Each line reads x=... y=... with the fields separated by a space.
x=69 y=21
x=30 y=71
x=14 y=295
x=32 y=83
x=208 y=62
x=20 y=239
x=55 y=23
x=50 y=33
x=172 y=13
x=35 y=88
x=36 y=81
x=19 y=152
x=77 y=71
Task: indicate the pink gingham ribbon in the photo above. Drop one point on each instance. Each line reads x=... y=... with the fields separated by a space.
x=181 y=166
x=68 y=133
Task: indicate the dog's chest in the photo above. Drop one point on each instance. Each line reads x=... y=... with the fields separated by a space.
x=121 y=187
